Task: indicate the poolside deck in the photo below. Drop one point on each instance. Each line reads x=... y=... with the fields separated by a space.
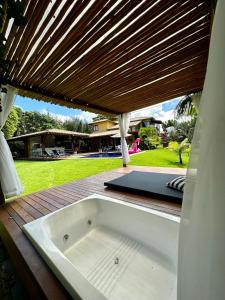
x=35 y=274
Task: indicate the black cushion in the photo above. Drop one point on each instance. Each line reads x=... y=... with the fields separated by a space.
x=147 y=183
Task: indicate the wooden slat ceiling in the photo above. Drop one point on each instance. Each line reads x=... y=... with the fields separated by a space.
x=109 y=56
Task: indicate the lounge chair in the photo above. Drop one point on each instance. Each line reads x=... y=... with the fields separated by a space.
x=47 y=153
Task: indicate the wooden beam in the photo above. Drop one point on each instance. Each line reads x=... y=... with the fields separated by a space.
x=45 y=95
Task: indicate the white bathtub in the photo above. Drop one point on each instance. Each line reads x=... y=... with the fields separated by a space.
x=102 y=248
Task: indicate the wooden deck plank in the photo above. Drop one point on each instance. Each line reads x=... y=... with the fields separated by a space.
x=50 y=193
x=43 y=210
x=21 y=212
x=140 y=199
x=49 y=200
x=14 y=215
x=77 y=192
x=70 y=196
x=59 y=197
x=42 y=202
x=38 y=278
x=29 y=209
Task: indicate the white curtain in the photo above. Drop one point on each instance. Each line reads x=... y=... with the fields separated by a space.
x=124 y=121
x=201 y=262
x=10 y=182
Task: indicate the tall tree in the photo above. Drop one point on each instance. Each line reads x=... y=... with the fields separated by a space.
x=76 y=124
x=169 y=123
x=183 y=130
x=188 y=105
x=31 y=121
x=102 y=117
x=11 y=124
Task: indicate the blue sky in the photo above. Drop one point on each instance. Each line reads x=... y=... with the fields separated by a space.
x=62 y=112
x=162 y=111
x=28 y=104
x=167 y=106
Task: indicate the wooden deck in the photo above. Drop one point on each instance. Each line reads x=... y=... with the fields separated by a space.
x=35 y=274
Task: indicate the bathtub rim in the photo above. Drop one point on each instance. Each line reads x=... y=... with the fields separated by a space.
x=55 y=259
x=110 y=199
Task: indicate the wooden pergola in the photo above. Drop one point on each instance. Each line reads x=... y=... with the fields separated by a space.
x=109 y=56
x=114 y=57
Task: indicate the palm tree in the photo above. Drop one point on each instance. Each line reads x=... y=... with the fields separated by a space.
x=188 y=106
x=180 y=148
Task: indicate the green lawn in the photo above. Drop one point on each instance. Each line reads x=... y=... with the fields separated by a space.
x=39 y=175
x=159 y=158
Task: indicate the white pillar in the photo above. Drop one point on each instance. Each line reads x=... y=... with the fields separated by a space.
x=124 y=121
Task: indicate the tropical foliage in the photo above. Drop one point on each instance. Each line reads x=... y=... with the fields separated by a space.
x=149 y=136
x=76 y=124
x=186 y=107
x=180 y=148
x=177 y=133
x=164 y=137
x=183 y=130
x=169 y=123
x=102 y=117
x=179 y=136
x=31 y=121
x=20 y=122
x=11 y=124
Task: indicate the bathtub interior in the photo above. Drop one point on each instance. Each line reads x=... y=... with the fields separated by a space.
x=120 y=250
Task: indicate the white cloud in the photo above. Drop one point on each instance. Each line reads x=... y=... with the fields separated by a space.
x=87 y=116
x=155 y=111
x=84 y=115
x=164 y=115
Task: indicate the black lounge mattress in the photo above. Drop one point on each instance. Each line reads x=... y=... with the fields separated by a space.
x=147 y=183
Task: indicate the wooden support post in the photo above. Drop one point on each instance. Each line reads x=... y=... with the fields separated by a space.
x=43 y=143
x=27 y=147
x=2 y=197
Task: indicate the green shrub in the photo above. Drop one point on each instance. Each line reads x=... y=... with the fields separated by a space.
x=149 y=136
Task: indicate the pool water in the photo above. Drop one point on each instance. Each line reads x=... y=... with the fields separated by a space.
x=102 y=154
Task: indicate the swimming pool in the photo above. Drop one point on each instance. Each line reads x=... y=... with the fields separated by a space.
x=102 y=154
